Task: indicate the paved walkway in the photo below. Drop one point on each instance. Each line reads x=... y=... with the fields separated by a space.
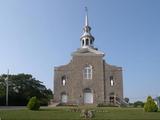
x=12 y=107
x=53 y=105
x=23 y=107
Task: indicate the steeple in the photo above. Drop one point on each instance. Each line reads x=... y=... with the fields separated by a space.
x=86 y=17
x=86 y=39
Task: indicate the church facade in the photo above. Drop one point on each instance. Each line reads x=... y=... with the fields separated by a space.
x=88 y=78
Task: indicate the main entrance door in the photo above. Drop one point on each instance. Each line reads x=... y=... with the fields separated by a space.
x=88 y=96
x=64 y=98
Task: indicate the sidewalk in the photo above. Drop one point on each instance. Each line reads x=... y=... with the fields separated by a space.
x=12 y=107
x=24 y=107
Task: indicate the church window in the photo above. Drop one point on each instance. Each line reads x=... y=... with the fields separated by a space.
x=87 y=42
x=82 y=42
x=91 y=42
x=87 y=73
x=111 y=81
x=63 y=80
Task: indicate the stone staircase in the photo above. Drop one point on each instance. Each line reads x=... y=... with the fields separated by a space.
x=121 y=102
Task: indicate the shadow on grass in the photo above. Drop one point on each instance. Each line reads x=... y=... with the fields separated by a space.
x=51 y=109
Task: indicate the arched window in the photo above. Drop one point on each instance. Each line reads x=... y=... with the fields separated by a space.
x=82 y=42
x=91 y=42
x=87 y=73
x=111 y=81
x=87 y=41
x=63 y=80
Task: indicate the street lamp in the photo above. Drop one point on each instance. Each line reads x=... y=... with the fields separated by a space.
x=6 y=81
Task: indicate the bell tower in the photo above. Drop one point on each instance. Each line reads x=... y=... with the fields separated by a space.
x=87 y=39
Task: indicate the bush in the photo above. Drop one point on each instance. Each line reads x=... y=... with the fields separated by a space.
x=74 y=110
x=126 y=100
x=87 y=114
x=150 y=105
x=67 y=104
x=138 y=104
x=43 y=102
x=106 y=105
x=33 y=104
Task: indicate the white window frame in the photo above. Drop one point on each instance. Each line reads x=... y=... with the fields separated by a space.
x=111 y=81
x=63 y=80
x=87 y=72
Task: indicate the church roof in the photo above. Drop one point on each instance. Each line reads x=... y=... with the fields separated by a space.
x=88 y=50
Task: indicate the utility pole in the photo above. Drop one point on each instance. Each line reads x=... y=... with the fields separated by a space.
x=6 y=80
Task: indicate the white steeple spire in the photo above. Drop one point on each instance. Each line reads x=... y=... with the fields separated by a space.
x=86 y=39
x=86 y=17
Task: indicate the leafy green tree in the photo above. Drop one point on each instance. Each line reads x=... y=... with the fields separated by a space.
x=33 y=104
x=2 y=91
x=150 y=105
x=22 y=87
x=138 y=104
x=126 y=100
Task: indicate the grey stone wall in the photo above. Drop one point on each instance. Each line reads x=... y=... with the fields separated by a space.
x=99 y=84
x=117 y=88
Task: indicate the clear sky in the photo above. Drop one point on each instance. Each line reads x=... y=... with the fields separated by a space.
x=36 y=35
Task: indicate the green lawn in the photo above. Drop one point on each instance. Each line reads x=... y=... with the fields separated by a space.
x=63 y=113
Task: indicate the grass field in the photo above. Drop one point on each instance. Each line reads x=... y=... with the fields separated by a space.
x=63 y=113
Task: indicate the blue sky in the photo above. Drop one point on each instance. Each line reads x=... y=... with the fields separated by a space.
x=36 y=35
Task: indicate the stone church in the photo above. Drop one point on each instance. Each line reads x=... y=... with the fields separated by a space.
x=88 y=78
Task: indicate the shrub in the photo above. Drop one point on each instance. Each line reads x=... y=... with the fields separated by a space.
x=33 y=104
x=87 y=114
x=126 y=100
x=74 y=110
x=106 y=105
x=150 y=105
x=43 y=102
x=67 y=104
x=138 y=104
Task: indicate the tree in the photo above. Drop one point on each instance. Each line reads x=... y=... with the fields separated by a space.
x=126 y=100
x=138 y=104
x=2 y=91
x=22 y=87
x=150 y=105
x=159 y=98
x=33 y=104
